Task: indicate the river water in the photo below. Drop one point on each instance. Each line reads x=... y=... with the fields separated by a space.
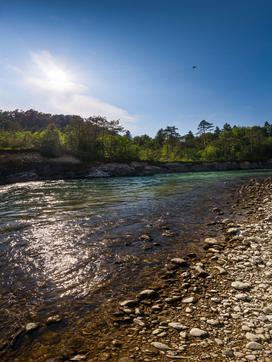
x=69 y=244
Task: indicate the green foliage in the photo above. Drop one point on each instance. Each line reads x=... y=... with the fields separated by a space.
x=50 y=142
x=97 y=139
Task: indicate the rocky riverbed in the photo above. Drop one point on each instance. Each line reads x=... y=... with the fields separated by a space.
x=215 y=308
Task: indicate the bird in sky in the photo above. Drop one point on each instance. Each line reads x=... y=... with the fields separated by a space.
x=194 y=67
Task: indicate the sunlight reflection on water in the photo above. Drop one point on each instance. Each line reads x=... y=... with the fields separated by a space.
x=66 y=235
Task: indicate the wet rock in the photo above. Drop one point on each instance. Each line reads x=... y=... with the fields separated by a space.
x=31 y=327
x=116 y=343
x=169 y=233
x=179 y=262
x=79 y=357
x=147 y=294
x=145 y=237
x=53 y=319
x=233 y=231
x=201 y=272
x=129 y=303
x=211 y=241
x=173 y=299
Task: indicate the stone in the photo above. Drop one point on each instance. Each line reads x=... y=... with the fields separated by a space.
x=252 y=337
x=160 y=346
x=179 y=262
x=268 y=310
x=147 y=294
x=31 y=327
x=197 y=332
x=177 y=326
x=241 y=285
x=188 y=300
x=53 y=319
x=145 y=237
x=233 y=231
x=213 y=322
x=139 y=322
x=244 y=297
x=211 y=241
x=78 y=357
x=228 y=353
x=255 y=346
x=129 y=303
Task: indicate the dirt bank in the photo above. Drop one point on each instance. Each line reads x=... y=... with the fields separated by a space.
x=31 y=166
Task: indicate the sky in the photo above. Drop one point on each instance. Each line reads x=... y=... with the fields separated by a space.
x=133 y=60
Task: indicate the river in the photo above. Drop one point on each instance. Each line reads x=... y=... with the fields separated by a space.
x=67 y=247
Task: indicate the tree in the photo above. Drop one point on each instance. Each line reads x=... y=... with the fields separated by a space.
x=268 y=128
x=204 y=127
x=50 y=142
x=227 y=127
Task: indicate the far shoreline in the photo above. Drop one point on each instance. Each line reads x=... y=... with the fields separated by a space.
x=31 y=166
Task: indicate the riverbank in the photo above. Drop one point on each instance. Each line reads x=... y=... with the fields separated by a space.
x=186 y=307
x=30 y=166
x=214 y=309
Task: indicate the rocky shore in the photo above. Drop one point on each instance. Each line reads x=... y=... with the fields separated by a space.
x=214 y=308
x=23 y=167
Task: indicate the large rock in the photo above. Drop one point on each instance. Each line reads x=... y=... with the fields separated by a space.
x=112 y=169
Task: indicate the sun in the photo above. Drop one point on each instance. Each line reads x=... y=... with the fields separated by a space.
x=57 y=77
x=50 y=74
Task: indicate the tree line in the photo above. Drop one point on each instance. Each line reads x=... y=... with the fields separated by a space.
x=97 y=139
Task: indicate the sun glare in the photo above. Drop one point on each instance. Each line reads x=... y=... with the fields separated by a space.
x=50 y=74
x=57 y=76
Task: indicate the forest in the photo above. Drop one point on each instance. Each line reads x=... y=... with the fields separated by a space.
x=97 y=139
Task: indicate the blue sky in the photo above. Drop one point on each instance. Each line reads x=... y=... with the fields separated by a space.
x=133 y=60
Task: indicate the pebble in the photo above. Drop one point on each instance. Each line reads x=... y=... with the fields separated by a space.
x=147 y=294
x=129 y=303
x=252 y=337
x=240 y=285
x=160 y=346
x=188 y=300
x=31 y=326
x=179 y=261
x=177 y=326
x=255 y=346
x=196 y=332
